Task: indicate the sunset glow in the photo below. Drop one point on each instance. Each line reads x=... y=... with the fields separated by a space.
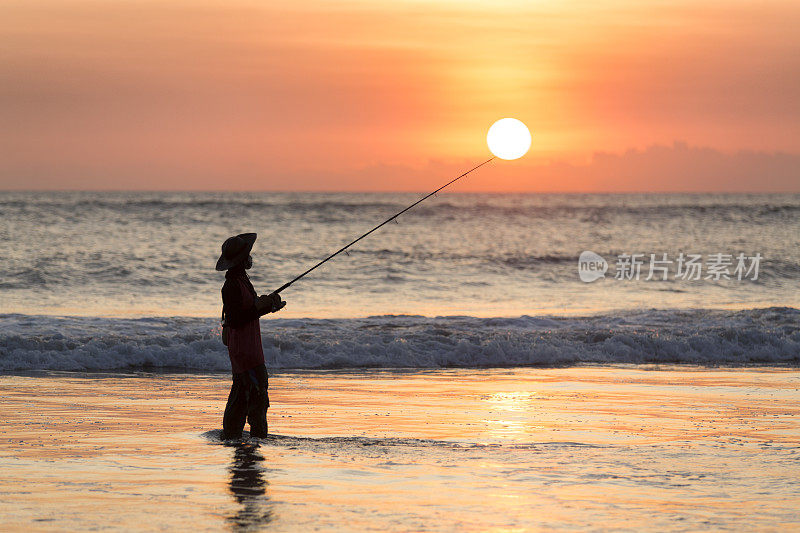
x=508 y=138
x=387 y=95
x=400 y=265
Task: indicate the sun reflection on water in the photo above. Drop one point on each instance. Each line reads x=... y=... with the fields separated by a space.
x=513 y=414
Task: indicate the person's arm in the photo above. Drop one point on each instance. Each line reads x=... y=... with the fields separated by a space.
x=236 y=314
x=272 y=303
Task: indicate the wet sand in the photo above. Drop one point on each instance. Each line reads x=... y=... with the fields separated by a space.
x=582 y=447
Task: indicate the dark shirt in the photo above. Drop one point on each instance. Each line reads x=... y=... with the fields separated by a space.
x=244 y=337
x=236 y=313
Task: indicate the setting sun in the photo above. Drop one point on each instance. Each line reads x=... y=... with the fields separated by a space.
x=260 y=273
x=508 y=138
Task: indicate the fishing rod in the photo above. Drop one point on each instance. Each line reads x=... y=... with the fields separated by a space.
x=393 y=217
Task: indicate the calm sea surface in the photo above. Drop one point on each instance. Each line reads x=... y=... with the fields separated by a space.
x=127 y=280
x=652 y=404
x=146 y=254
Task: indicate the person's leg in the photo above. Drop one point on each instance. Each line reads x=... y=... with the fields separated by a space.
x=259 y=401
x=235 y=409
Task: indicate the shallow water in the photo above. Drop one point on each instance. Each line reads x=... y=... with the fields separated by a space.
x=583 y=447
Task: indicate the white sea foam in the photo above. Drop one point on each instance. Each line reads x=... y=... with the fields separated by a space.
x=704 y=337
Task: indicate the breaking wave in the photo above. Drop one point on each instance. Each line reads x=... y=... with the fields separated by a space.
x=768 y=336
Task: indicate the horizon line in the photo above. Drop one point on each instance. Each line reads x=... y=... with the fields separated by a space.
x=394 y=191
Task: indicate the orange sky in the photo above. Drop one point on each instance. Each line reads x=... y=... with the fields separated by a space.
x=394 y=95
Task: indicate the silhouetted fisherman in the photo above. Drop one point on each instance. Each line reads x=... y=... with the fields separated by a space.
x=241 y=309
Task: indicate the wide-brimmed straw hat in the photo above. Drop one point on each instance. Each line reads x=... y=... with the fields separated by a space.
x=235 y=250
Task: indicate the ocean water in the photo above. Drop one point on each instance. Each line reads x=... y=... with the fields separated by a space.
x=453 y=372
x=525 y=449
x=108 y=280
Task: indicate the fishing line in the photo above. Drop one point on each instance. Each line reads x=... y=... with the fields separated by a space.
x=391 y=218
